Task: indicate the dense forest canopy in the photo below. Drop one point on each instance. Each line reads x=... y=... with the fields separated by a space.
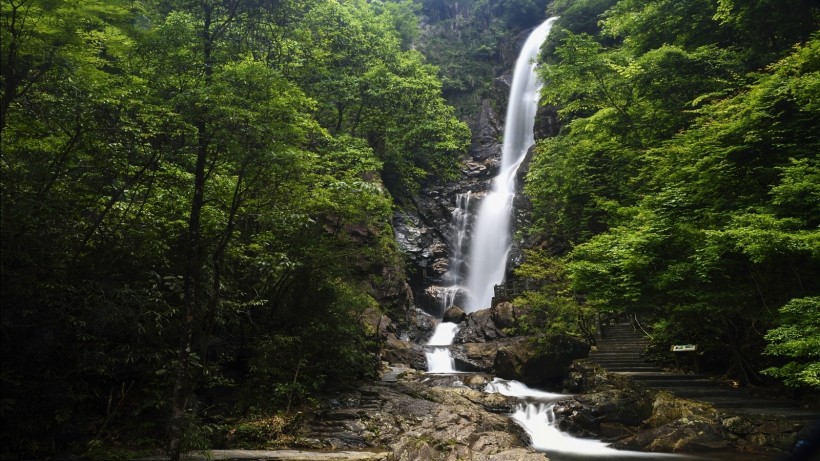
x=196 y=201
x=684 y=188
x=196 y=198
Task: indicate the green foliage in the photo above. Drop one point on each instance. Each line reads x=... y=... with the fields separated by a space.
x=523 y=13
x=368 y=87
x=576 y=17
x=258 y=432
x=186 y=217
x=768 y=27
x=403 y=14
x=647 y=25
x=798 y=193
x=798 y=339
x=551 y=306
x=683 y=184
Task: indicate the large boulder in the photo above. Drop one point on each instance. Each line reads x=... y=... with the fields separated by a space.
x=546 y=365
x=478 y=357
x=617 y=408
x=504 y=315
x=454 y=314
x=680 y=436
x=479 y=327
x=396 y=351
x=419 y=327
x=400 y=344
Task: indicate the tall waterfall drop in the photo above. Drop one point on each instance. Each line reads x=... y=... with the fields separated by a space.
x=491 y=238
x=491 y=232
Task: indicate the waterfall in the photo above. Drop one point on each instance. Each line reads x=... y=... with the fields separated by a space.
x=439 y=359
x=459 y=223
x=536 y=415
x=491 y=238
x=491 y=234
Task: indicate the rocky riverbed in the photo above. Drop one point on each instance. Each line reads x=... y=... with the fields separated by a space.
x=632 y=417
x=411 y=415
x=419 y=416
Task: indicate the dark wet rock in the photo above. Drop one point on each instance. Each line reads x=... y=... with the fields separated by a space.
x=420 y=329
x=615 y=407
x=423 y=241
x=397 y=351
x=504 y=315
x=487 y=133
x=400 y=344
x=479 y=327
x=681 y=436
x=430 y=299
x=454 y=314
x=547 y=123
x=423 y=226
x=478 y=357
x=519 y=360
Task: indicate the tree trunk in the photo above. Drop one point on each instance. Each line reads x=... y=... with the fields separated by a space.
x=192 y=280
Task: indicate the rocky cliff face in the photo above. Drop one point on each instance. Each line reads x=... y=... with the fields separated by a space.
x=424 y=227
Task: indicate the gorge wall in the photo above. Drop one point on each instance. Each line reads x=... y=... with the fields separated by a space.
x=422 y=226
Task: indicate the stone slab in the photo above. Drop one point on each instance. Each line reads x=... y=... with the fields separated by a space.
x=281 y=455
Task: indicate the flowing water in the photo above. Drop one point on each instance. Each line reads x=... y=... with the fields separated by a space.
x=491 y=233
x=459 y=224
x=439 y=359
x=535 y=414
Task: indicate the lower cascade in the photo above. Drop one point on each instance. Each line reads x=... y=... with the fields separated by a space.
x=439 y=359
x=536 y=415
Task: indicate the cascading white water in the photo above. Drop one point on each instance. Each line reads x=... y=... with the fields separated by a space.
x=512 y=388
x=488 y=260
x=458 y=231
x=537 y=416
x=439 y=359
x=491 y=233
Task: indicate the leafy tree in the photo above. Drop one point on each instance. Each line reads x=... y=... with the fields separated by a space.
x=678 y=197
x=768 y=28
x=523 y=13
x=798 y=339
x=174 y=203
x=372 y=89
x=552 y=308
x=576 y=17
x=587 y=177
x=646 y=25
x=403 y=14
